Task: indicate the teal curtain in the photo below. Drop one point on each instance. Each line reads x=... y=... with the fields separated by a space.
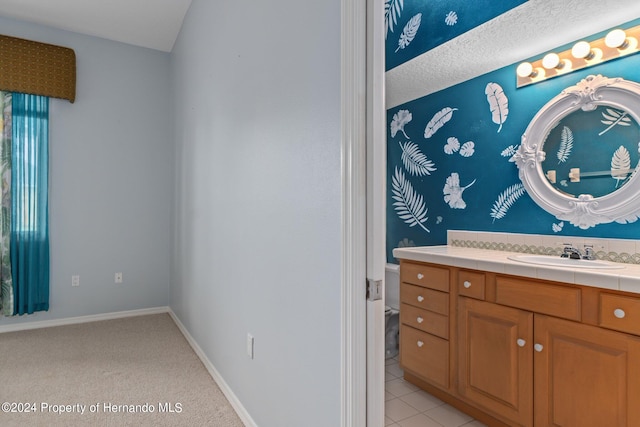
x=29 y=203
x=6 y=283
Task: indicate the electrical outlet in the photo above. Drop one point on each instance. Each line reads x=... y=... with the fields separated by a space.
x=250 y=343
x=75 y=280
x=118 y=278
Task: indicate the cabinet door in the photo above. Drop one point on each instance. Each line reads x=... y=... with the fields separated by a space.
x=495 y=359
x=585 y=376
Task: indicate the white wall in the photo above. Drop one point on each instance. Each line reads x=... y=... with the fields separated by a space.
x=110 y=178
x=257 y=220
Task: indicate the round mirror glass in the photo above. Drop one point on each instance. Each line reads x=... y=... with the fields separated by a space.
x=592 y=152
x=578 y=156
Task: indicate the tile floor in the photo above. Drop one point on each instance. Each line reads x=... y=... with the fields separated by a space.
x=408 y=406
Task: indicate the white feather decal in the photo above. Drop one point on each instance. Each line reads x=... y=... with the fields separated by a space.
x=438 y=120
x=620 y=165
x=409 y=32
x=392 y=11
x=614 y=118
x=506 y=199
x=408 y=204
x=467 y=149
x=415 y=161
x=566 y=145
x=498 y=103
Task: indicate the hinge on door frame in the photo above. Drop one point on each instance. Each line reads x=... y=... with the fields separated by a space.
x=374 y=290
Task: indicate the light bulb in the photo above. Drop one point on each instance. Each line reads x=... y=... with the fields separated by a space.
x=551 y=61
x=616 y=39
x=582 y=50
x=525 y=70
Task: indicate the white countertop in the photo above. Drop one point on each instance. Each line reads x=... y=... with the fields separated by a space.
x=624 y=279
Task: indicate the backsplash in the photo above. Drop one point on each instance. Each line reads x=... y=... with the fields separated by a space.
x=614 y=250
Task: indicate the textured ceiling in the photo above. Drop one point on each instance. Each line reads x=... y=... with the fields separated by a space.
x=535 y=27
x=153 y=24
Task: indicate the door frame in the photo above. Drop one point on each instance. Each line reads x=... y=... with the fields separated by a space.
x=358 y=52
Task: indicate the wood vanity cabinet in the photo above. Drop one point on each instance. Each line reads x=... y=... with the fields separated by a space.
x=527 y=352
x=424 y=322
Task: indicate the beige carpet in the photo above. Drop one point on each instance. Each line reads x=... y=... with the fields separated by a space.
x=135 y=371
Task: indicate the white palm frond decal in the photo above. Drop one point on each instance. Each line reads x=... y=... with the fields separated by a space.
x=415 y=161
x=506 y=199
x=614 y=118
x=392 y=11
x=408 y=204
x=566 y=145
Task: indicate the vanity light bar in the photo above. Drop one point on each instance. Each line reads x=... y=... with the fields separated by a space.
x=616 y=44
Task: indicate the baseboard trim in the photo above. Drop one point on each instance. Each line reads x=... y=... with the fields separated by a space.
x=224 y=387
x=82 y=319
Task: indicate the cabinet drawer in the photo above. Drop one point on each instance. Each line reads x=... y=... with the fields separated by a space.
x=539 y=297
x=471 y=284
x=427 y=299
x=621 y=313
x=424 y=320
x=425 y=355
x=424 y=275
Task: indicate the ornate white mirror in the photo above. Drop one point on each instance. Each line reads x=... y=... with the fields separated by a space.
x=578 y=156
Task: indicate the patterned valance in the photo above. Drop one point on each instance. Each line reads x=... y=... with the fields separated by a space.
x=37 y=68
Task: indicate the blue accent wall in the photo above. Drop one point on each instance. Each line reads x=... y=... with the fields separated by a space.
x=465 y=179
x=417 y=26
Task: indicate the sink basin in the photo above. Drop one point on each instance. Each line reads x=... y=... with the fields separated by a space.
x=556 y=261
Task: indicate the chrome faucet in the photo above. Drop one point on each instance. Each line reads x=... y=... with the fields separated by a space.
x=574 y=253
x=588 y=252
x=571 y=252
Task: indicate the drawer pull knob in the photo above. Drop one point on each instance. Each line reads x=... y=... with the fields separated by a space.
x=619 y=313
x=420 y=276
x=538 y=347
x=419 y=320
x=521 y=342
x=420 y=344
x=467 y=284
x=420 y=298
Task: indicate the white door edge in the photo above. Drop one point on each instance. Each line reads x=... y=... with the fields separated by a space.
x=354 y=249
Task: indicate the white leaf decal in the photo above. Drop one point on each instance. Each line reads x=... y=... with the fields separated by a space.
x=438 y=120
x=408 y=204
x=566 y=145
x=453 y=192
x=509 y=151
x=409 y=32
x=451 y=19
x=557 y=227
x=614 y=118
x=506 y=199
x=498 y=103
x=452 y=146
x=620 y=165
x=467 y=149
x=400 y=119
x=392 y=11
x=415 y=161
